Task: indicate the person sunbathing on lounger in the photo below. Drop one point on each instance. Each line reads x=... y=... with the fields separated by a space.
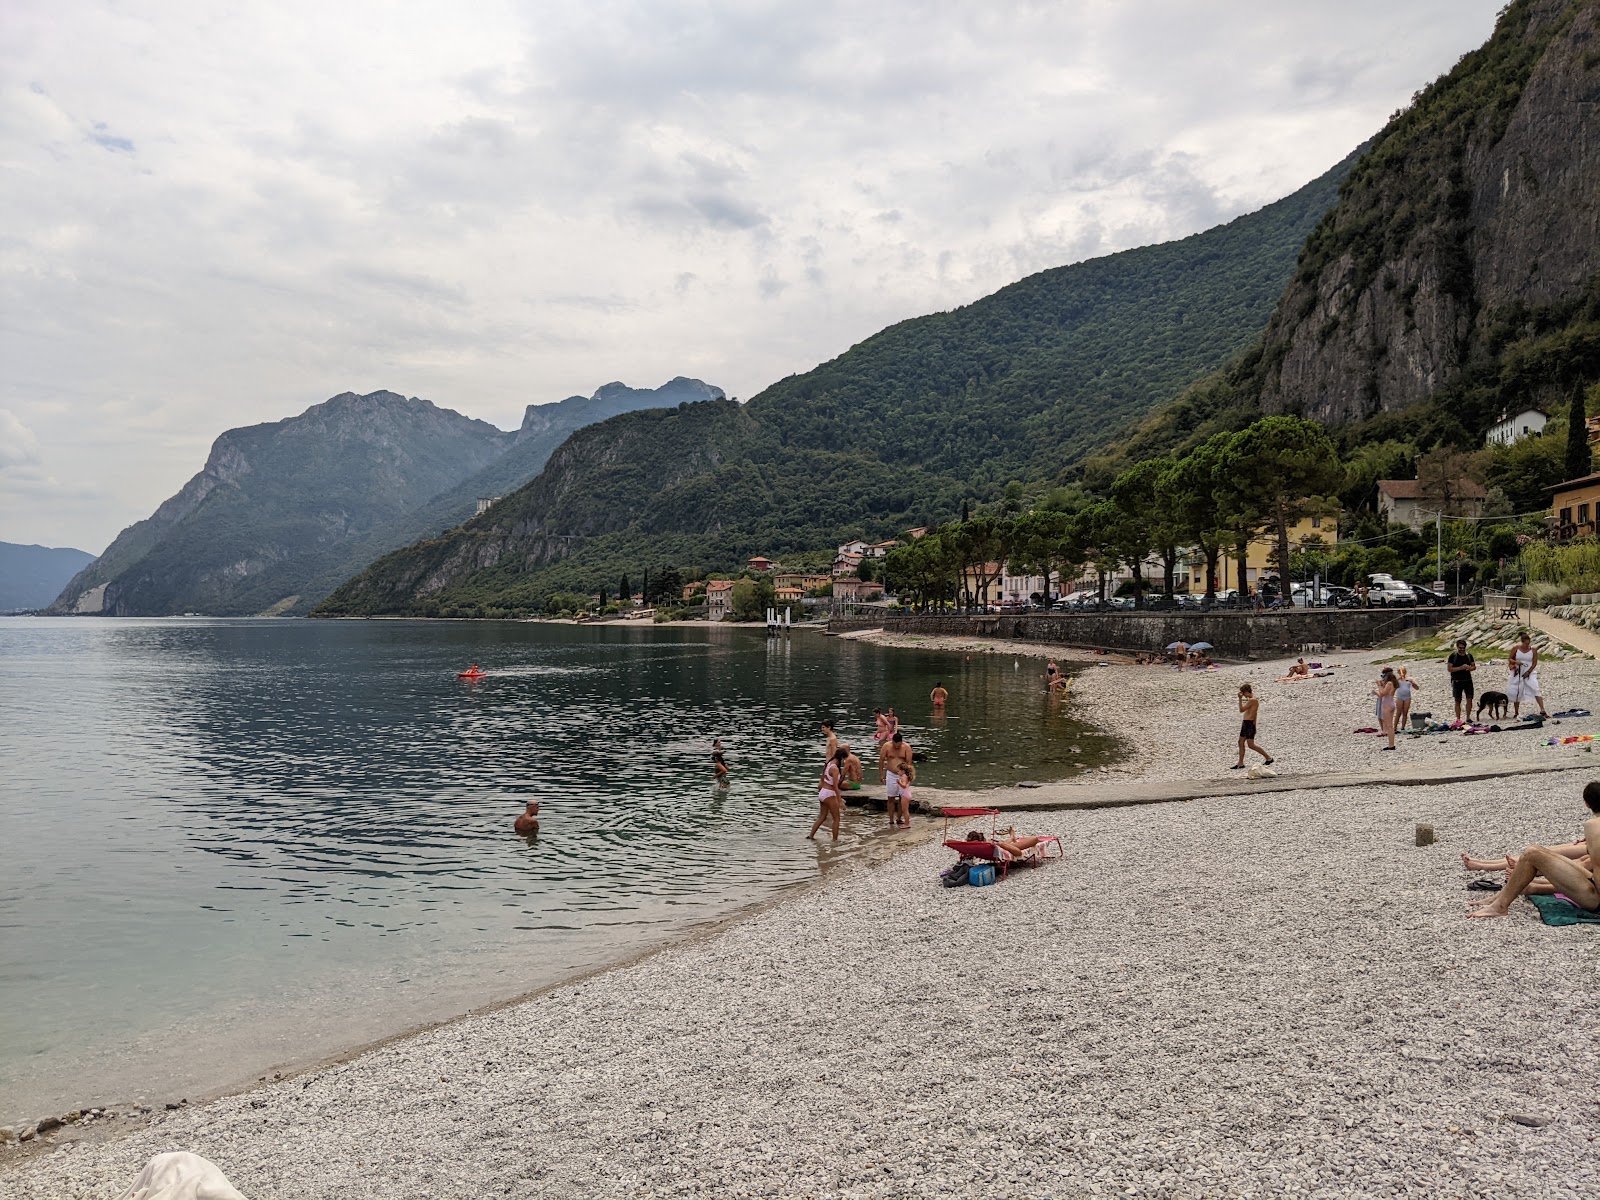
x=1576 y=882
x=1013 y=846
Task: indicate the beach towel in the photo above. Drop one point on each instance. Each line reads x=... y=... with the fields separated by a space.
x=1558 y=910
x=1571 y=712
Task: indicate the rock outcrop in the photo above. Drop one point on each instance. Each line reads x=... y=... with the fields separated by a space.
x=1472 y=223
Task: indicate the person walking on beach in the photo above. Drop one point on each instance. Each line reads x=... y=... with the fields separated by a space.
x=1388 y=683
x=830 y=796
x=938 y=695
x=1461 y=665
x=1404 y=688
x=1524 y=682
x=1249 y=707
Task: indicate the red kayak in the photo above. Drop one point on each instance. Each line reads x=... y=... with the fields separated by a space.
x=474 y=673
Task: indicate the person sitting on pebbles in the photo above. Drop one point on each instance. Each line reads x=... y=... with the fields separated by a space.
x=1574 y=879
x=527 y=825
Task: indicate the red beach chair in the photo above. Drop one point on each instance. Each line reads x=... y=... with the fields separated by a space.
x=987 y=850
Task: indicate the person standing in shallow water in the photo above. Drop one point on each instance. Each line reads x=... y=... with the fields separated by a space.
x=938 y=695
x=1249 y=707
x=830 y=795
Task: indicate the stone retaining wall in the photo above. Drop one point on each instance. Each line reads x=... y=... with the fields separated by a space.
x=1235 y=635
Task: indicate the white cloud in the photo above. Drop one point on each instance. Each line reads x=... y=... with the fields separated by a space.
x=221 y=214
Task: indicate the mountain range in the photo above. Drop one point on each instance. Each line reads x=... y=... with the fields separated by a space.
x=895 y=432
x=282 y=512
x=30 y=576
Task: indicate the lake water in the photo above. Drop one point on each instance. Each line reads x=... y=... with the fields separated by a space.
x=228 y=845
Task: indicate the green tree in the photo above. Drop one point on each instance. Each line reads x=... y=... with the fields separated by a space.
x=1042 y=543
x=667 y=585
x=1190 y=488
x=867 y=570
x=1578 y=458
x=1149 y=523
x=751 y=598
x=624 y=592
x=1282 y=466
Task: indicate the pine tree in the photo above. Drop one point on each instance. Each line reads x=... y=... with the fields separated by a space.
x=1578 y=463
x=623 y=593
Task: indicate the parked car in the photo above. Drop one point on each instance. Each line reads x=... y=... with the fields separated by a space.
x=1427 y=596
x=1336 y=596
x=1391 y=593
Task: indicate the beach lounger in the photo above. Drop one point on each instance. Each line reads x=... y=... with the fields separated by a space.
x=986 y=850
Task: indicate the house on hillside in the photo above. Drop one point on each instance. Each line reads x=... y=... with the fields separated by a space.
x=1575 y=505
x=881 y=549
x=845 y=565
x=789 y=594
x=856 y=547
x=917 y=531
x=763 y=565
x=1513 y=427
x=862 y=548
x=1403 y=501
x=719 y=598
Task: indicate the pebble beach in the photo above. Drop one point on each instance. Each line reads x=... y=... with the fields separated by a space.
x=1239 y=996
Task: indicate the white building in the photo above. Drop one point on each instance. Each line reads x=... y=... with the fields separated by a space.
x=860 y=548
x=485 y=503
x=1514 y=427
x=1019 y=589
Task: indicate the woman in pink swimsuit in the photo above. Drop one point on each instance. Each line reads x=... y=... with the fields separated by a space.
x=830 y=794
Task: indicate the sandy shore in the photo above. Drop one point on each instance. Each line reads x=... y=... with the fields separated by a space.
x=1266 y=996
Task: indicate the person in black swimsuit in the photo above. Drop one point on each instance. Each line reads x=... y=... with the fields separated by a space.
x=1249 y=706
x=1461 y=665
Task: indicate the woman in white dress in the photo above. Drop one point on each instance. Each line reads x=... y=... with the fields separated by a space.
x=1524 y=682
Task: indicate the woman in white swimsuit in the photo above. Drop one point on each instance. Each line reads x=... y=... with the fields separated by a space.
x=1524 y=682
x=830 y=794
x=1404 y=687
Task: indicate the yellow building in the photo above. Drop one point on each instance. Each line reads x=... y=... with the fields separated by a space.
x=1575 y=505
x=1260 y=554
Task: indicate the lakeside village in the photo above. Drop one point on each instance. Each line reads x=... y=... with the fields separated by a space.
x=1216 y=528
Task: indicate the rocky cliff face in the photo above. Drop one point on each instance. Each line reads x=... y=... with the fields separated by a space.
x=1473 y=221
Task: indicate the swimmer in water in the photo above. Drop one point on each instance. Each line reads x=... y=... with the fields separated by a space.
x=938 y=695
x=719 y=764
x=527 y=825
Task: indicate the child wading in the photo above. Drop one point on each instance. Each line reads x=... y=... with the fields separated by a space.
x=1248 y=707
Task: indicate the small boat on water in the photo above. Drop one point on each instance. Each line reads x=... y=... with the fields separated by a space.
x=472 y=672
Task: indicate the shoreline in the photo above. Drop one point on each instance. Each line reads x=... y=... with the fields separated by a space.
x=1193 y=1050
x=130 y=1115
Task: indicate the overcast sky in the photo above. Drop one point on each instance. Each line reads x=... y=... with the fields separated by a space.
x=219 y=214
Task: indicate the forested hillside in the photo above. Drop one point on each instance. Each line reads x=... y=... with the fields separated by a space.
x=894 y=432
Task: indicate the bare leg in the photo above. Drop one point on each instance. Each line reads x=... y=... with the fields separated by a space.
x=1565 y=875
x=1241 y=752
x=1252 y=744
x=834 y=805
x=1485 y=864
x=1387 y=722
x=822 y=815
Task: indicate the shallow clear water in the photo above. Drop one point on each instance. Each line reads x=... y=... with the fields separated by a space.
x=231 y=844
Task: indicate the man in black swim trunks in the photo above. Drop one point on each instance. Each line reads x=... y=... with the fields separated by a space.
x=1249 y=708
x=1461 y=665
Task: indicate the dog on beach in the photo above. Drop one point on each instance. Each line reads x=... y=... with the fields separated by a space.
x=1496 y=703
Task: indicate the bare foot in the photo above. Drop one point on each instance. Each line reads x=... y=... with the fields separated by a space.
x=1485 y=864
x=1489 y=910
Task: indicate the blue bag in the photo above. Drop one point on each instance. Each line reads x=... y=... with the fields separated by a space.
x=981 y=875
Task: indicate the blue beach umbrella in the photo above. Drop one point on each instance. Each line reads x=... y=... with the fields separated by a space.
x=1199 y=645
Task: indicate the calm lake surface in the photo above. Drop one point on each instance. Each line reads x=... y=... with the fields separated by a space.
x=230 y=845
